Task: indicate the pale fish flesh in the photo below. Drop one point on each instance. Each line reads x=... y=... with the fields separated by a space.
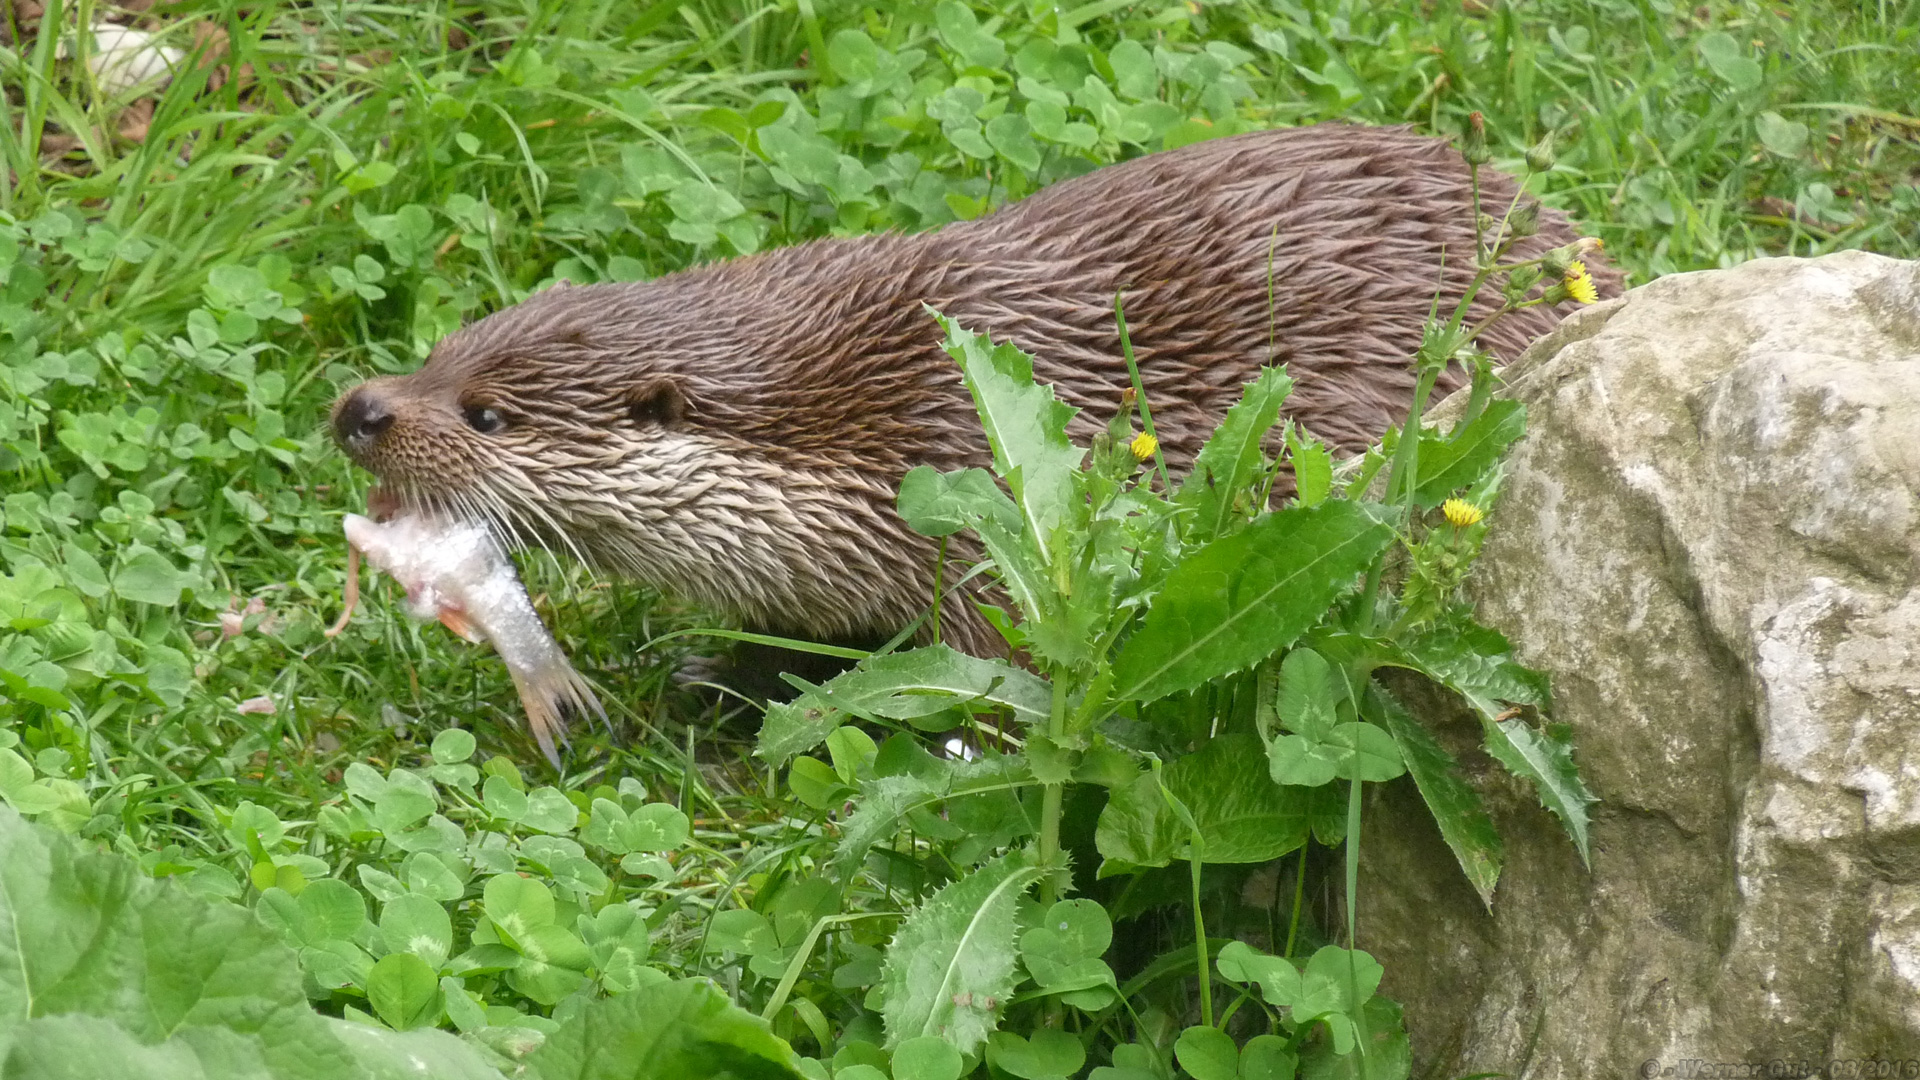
x=457 y=572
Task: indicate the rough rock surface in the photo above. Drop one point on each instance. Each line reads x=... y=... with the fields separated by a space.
x=1710 y=540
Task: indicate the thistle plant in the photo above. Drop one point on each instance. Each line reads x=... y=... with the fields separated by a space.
x=1203 y=663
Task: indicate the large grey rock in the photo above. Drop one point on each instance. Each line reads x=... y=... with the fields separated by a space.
x=1710 y=540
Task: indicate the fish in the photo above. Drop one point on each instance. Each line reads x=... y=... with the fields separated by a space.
x=456 y=571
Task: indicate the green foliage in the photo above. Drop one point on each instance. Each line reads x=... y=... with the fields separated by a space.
x=950 y=968
x=1214 y=585
x=1227 y=465
x=107 y=973
x=1243 y=597
x=1133 y=603
x=684 y=1029
x=111 y=973
x=1239 y=813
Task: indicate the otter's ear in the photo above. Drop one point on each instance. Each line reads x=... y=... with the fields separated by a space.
x=656 y=402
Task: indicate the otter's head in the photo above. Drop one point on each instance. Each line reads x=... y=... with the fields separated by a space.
x=507 y=414
x=651 y=430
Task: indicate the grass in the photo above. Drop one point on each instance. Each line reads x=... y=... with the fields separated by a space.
x=331 y=186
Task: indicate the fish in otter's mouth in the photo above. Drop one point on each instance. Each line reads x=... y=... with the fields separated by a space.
x=456 y=571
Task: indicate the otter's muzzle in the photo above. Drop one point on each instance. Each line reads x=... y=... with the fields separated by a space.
x=359 y=420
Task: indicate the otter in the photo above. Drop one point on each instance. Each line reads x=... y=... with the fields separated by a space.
x=735 y=433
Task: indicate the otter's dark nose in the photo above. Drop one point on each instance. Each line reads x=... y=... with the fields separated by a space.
x=360 y=420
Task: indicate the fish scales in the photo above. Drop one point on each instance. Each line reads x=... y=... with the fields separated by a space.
x=456 y=571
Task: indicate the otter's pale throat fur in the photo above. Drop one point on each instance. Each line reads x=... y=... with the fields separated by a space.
x=734 y=433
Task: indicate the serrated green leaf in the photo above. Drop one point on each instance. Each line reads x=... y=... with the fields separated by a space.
x=1460 y=459
x=1455 y=806
x=1545 y=759
x=1217 y=490
x=795 y=727
x=1475 y=663
x=902 y=686
x=886 y=800
x=1026 y=427
x=684 y=1030
x=950 y=966
x=1312 y=468
x=941 y=504
x=1239 y=599
x=1242 y=815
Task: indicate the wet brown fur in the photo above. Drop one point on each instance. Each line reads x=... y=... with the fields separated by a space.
x=734 y=433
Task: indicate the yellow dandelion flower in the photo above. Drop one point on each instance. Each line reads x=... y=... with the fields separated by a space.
x=1461 y=513
x=1143 y=446
x=1579 y=283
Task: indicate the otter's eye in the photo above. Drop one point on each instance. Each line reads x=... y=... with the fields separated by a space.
x=484 y=420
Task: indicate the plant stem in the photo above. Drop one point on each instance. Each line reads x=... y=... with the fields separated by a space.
x=799 y=962
x=1140 y=393
x=1353 y=855
x=939 y=568
x=1402 y=480
x=1299 y=900
x=1353 y=894
x=1050 y=798
x=1200 y=940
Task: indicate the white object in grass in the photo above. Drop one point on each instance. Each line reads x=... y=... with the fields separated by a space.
x=123 y=58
